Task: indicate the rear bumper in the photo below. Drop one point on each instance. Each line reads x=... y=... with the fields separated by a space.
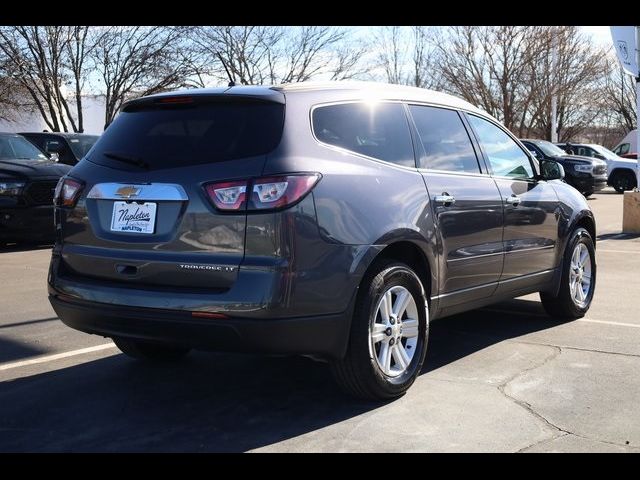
x=324 y=336
x=27 y=223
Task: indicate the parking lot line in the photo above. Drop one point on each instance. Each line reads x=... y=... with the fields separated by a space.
x=57 y=356
x=614 y=251
x=544 y=315
x=620 y=324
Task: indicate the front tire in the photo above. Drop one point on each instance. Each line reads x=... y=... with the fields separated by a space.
x=578 y=280
x=149 y=351
x=389 y=334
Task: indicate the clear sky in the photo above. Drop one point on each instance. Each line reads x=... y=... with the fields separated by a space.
x=600 y=35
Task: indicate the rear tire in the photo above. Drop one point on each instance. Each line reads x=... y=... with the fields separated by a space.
x=587 y=194
x=149 y=351
x=623 y=181
x=571 y=303
x=389 y=334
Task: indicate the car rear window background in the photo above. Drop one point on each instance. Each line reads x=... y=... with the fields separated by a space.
x=379 y=130
x=81 y=145
x=182 y=135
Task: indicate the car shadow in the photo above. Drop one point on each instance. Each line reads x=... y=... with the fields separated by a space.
x=24 y=247
x=12 y=350
x=214 y=401
x=617 y=236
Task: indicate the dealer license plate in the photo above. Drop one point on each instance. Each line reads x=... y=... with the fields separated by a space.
x=133 y=217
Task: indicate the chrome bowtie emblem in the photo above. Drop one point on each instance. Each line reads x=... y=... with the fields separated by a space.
x=128 y=191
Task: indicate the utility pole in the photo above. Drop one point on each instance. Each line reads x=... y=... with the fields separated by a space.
x=554 y=97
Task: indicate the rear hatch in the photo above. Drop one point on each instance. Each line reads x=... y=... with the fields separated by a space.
x=144 y=216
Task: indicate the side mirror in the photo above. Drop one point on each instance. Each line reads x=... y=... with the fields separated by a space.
x=551 y=170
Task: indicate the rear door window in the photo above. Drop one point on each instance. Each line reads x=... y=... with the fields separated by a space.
x=446 y=143
x=377 y=130
x=181 y=135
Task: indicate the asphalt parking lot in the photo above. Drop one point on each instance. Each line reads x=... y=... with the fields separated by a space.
x=502 y=379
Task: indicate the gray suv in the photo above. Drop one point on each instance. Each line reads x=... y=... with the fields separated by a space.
x=328 y=220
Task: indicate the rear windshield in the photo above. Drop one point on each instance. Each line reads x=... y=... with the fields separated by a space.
x=174 y=136
x=82 y=145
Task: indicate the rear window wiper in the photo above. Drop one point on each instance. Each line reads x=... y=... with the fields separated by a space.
x=127 y=159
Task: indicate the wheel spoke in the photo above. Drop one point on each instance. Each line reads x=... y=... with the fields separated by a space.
x=400 y=356
x=385 y=357
x=410 y=328
x=378 y=332
x=385 y=306
x=400 y=305
x=584 y=255
x=575 y=258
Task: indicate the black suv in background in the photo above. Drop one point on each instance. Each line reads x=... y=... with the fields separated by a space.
x=27 y=183
x=587 y=175
x=68 y=148
x=333 y=220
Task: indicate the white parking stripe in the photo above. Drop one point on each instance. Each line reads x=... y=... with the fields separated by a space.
x=614 y=251
x=544 y=315
x=57 y=356
x=620 y=324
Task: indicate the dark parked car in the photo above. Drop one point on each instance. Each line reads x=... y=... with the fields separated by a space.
x=27 y=182
x=68 y=148
x=621 y=171
x=585 y=174
x=334 y=221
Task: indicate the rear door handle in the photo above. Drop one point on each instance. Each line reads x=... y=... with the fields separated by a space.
x=513 y=200
x=445 y=199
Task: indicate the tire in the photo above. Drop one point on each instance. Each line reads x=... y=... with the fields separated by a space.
x=149 y=351
x=566 y=305
x=587 y=194
x=623 y=181
x=361 y=372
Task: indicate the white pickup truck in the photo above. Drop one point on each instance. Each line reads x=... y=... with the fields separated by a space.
x=621 y=171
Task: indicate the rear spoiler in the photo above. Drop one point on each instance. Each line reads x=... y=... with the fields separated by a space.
x=206 y=95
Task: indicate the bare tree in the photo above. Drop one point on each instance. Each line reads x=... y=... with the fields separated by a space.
x=79 y=45
x=619 y=91
x=35 y=58
x=137 y=61
x=254 y=55
x=580 y=66
x=491 y=68
x=408 y=55
x=14 y=99
x=392 y=53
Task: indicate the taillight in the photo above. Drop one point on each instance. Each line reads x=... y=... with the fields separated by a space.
x=280 y=192
x=267 y=193
x=228 y=195
x=67 y=192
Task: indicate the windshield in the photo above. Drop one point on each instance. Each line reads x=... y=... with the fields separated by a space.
x=549 y=148
x=81 y=145
x=605 y=152
x=15 y=147
x=201 y=133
